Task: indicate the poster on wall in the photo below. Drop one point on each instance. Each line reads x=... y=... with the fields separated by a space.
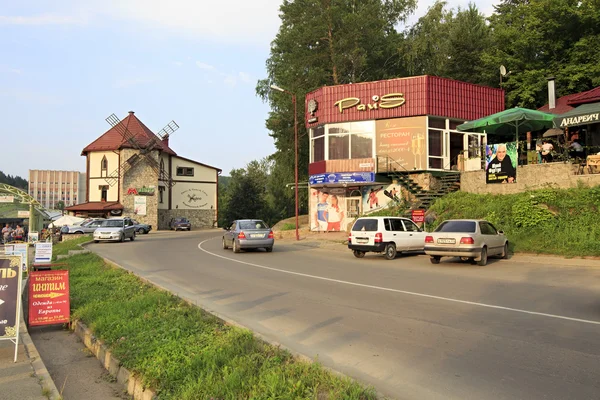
x=327 y=210
x=501 y=163
x=403 y=140
x=139 y=205
x=379 y=196
x=10 y=299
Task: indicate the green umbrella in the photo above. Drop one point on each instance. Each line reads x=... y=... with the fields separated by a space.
x=514 y=120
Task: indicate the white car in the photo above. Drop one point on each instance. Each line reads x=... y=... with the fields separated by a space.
x=388 y=235
x=115 y=229
x=466 y=238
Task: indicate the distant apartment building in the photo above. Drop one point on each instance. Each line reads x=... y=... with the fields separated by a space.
x=49 y=187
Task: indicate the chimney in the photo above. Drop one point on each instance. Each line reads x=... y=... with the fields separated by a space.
x=165 y=140
x=551 y=93
x=131 y=112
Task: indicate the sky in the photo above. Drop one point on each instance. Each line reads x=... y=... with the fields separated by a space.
x=66 y=65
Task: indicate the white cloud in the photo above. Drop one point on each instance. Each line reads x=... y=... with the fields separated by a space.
x=203 y=65
x=230 y=80
x=44 y=19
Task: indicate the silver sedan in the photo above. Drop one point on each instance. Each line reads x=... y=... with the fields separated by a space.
x=248 y=234
x=468 y=239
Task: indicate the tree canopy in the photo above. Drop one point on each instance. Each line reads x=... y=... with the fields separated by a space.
x=15 y=181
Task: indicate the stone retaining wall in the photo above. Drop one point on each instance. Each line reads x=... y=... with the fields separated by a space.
x=200 y=219
x=530 y=177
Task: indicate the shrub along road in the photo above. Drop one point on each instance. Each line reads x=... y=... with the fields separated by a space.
x=412 y=329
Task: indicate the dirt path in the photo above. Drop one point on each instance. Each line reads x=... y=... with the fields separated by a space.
x=75 y=371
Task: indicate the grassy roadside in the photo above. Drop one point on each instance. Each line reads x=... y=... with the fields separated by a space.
x=184 y=353
x=63 y=248
x=549 y=221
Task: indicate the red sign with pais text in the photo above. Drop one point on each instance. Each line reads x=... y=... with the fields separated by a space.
x=49 y=298
x=418 y=216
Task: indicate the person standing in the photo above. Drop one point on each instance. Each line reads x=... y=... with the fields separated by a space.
x=547 y=148
x=5 y=233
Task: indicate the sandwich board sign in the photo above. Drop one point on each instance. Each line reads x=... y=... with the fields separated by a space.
x=10 y=298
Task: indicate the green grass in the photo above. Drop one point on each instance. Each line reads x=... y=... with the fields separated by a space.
x=64 y=247
x=185 y=353
x=548 y=221
x=288 y=227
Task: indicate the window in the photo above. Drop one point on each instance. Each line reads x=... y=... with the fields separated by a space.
x=104 y=167
x=393 y=224
x=410 y=226
x=365 y=224
x=103 y=192
x=161 y=191
x=457 y=227
x=184 y=171
x=487 y=229
x=317 y=148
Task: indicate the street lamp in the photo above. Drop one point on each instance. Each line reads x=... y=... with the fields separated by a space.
x=275 y=87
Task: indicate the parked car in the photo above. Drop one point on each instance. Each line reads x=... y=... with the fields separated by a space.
x=142 y=228
x=248 y=234
x=115 y=229
x=388 y=235
x=87 y=226
x=469 y=239
x=180 y=224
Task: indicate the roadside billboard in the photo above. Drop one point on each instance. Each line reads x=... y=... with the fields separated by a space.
x=49 y=301
x=501 y=163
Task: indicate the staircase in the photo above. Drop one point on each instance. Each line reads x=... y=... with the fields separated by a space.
x=443 y=183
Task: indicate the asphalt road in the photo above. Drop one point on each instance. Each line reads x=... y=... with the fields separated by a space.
x=411 y=329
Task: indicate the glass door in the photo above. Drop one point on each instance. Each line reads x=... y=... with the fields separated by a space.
x=439 y=148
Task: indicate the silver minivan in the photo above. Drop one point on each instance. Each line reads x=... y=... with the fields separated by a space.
x=388 y=235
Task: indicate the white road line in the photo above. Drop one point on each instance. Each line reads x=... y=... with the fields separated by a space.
x=472 y=303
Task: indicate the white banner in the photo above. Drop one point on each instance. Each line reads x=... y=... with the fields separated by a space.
x=23 y=214
x=7 y=199
x=43 y=252
x=139 y=205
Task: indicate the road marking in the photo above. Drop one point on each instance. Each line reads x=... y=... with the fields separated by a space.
x=429 y=296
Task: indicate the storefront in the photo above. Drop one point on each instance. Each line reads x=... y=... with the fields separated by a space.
x=363 y=135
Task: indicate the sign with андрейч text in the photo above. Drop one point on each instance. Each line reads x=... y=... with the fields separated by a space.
x=10 y=284
x=43 y=252
x=342 y=177
x=49 y=301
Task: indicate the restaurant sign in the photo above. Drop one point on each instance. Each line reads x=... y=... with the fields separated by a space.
x=579 y=120
x=49 y=297
x=143 y=191
x=343 y=177
x=390 y=100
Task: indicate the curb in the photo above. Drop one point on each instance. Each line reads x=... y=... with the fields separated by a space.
x=226 y=321
x=39 y=368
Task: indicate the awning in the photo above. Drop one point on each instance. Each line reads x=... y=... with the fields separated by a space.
x=583 y=115
x=96 y=206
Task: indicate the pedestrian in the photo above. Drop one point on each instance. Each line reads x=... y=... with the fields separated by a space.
x=5 y=233
x=19 y=233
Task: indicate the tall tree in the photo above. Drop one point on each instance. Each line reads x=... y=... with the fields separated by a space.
x=15 y=181
x=320 y=43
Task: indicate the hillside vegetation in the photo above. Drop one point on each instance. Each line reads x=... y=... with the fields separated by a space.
x=551 y=221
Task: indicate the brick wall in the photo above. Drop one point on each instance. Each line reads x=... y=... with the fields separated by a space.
x=530 y=177
x=200 y=219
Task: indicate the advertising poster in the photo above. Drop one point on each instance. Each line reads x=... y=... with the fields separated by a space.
x=375 y=198
x=403 y=140
x=327 y=210
x=33 y=237
x=10 y=284
x=43 y=252
x=501 y=163
x=418 y=216
x=139 y=205
x=19 y=249
x=49 y=298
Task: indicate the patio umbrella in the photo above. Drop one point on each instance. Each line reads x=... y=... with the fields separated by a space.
x=514 y=120
x=553 y=132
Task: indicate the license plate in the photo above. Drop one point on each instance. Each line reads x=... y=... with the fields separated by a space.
x=104 y=237
x=446 y=241
x=362 y=241
x=256 y=235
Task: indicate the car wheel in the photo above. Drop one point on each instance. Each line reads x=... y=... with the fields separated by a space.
x=140 y=231
x=80 y=232
x=358 y=253
x=504 y=254
x=132 y=238
x=96 y=241
x=269 y=249
x=122 y=238
x=390 y=251
x=435 y=259
x=483 y=259
x=236 y=247
x=225 y=244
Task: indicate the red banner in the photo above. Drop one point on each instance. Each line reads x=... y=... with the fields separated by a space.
x=49 y=298
x=418 y=216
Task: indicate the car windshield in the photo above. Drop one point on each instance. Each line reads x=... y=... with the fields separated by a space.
x=457 y=226
x=116 y=223
x=368 y=225
x=253 y=225
x=181 y=220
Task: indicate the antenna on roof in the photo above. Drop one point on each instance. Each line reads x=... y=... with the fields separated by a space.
x=503 y=73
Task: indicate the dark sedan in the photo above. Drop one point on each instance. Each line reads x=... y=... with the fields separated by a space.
x=248 y=234
x=182 y=224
